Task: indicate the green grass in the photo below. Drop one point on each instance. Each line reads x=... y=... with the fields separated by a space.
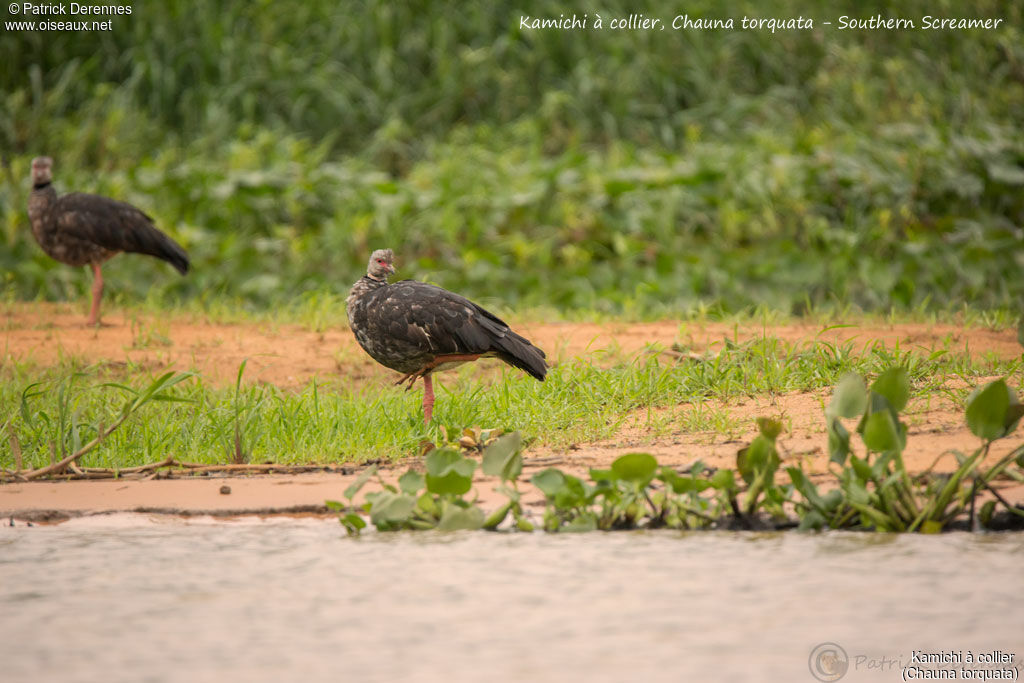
x=335 y=423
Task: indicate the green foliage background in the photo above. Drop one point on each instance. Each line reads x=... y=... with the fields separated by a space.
x=628 y=172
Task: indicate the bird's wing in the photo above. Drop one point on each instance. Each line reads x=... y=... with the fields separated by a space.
x=117 y=226
x=447 y=323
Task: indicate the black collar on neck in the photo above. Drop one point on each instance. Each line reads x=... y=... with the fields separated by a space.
x=40 y=186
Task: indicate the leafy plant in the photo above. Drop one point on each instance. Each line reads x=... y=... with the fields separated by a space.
x=503 y=458
x=634 y=492
x=876 y=490
x=436 y=499
x=757 y=465
x=780 y=171
x=350 y=517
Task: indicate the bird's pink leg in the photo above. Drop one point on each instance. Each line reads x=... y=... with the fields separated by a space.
x=428 y=398
x=97 y=294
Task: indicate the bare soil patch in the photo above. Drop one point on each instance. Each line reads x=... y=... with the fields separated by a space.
x=291 y=356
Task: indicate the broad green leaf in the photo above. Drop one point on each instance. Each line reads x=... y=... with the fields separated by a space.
x=812 y=520
x=743 y=464
x=832 y=500
x=427 y=503
x=421 y=524
x=574 y=493
x=638 y=468
x=353 y=523
x=360 y=481
x=858 y=494
x=986 y=512
x=988 y=411
x=894 y=385
x=439 y=460
x=769 y=428
x=881 y=433
x=806 y=488
x=667 y=475
x=876 y=404
x=838 y=442
x=448 y=472
x=523 y=524
x=549 y=481
x=681 y=484
x=456 y=517
x=881 y=466
x=860 y=468
x=1013 y=416
x=411 y=482
x=850 y=397
x=498 y=516
x=585 y=522
x=503 y=458
x=391 y=507
x=756 y=459
x=723 y=480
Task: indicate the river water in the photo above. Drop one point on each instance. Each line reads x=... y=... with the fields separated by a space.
x=139 y=598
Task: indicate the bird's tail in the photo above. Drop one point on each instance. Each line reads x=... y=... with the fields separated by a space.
x=514 y=349
x=155 y=243
x=518 y=352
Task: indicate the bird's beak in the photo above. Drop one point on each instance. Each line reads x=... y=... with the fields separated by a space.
x=391 y=269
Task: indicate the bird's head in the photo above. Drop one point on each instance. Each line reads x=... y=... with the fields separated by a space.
x=41 y=170
x=380 y=264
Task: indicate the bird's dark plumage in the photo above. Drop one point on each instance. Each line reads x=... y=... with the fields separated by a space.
x=418 y=328
x=83 y=220
x=85 y=229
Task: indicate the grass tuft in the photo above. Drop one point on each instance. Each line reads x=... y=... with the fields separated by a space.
x=580 y=401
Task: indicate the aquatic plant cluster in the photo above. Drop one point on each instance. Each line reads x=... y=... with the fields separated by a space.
x=640 y=172
x=874 y=490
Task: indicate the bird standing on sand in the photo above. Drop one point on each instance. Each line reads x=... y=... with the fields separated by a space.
x=417 y=329
x=80 y=229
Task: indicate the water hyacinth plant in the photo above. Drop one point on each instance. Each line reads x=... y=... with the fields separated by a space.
x=435 y=499
x=874 y=490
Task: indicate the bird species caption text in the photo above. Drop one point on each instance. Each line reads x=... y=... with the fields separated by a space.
x=684 y=22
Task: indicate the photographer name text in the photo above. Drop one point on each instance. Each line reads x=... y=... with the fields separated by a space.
x=67 y=9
